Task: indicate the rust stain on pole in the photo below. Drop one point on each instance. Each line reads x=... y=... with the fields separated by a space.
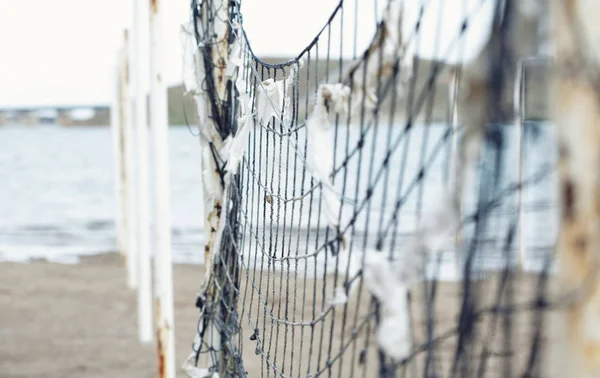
x=221 y=51
x=126 y=68
x=154 y=6
x=159 y=340
x=161 y=355
x=213 y=220
x=221 y=65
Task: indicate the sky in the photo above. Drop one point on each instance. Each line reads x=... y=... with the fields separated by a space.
x=63 y=52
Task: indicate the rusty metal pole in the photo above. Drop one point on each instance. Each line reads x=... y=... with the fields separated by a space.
x=141 y=44
x=576 y=109
x=219 y=13
x=212 y=18
x=163 y=262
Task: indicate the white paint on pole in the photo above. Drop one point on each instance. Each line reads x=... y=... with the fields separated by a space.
x=163 y=263
x=141 y=42
x=130 y=149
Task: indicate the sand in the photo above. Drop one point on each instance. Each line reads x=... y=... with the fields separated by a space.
x=59 y=321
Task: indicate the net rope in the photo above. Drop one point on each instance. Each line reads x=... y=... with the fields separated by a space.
x=292 y=284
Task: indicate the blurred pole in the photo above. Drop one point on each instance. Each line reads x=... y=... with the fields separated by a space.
x=141 y=42
x=518 y=109
x=453 y=98
x=127 y=156
x=130 y=149
x=163 y=265
x=117 y=128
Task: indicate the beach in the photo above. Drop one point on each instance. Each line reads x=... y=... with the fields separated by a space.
x=80 y=320
x=62 y=320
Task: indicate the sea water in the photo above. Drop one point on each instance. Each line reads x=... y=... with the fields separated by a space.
x=58 y=199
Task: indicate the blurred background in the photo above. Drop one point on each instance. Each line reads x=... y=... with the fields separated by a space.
x=65 y=310
x=57 y=200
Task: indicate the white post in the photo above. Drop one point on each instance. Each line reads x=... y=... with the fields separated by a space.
x=163 y=264
x=117 y=127
x=141 y=42
x=123 y=156
x=130 y=149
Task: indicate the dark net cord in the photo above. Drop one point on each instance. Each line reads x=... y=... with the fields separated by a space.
x=266 y=310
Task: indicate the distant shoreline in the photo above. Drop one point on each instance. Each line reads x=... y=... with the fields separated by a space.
x=182 y=108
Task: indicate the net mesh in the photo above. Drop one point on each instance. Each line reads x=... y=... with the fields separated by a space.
x=376 y=163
